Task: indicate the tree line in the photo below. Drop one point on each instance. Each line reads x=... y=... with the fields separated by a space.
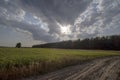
x=102 y=43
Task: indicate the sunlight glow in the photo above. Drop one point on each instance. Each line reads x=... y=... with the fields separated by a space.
x=64 y=30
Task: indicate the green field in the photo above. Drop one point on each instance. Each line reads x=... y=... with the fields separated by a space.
x=22 y=62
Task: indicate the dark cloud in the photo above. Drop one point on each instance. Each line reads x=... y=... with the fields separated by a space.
x=52 y=11
x=100 y=18
x=37 y=32
x=87 y=18
x=60 y=10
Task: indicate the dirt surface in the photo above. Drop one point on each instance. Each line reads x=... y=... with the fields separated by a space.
x=99 y=69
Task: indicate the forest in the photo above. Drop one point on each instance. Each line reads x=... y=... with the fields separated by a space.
x=97 y=43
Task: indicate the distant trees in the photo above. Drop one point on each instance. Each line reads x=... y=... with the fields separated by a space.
x=18 y=45
x=103 y=43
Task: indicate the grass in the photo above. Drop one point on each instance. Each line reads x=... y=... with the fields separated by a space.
x=22 y=62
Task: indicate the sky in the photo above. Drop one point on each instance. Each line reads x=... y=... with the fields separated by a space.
x=43 y=21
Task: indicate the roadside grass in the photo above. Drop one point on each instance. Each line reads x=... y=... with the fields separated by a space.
x=22 y=62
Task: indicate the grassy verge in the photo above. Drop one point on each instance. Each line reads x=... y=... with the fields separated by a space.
x=23 y=62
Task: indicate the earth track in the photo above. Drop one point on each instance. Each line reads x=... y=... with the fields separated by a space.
x=107 y=68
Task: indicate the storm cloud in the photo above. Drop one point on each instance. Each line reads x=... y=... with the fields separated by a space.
x=43 y=19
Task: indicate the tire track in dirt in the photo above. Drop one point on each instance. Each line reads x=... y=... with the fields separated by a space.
x=89 y=70
x=101 y=73
x=107 y=68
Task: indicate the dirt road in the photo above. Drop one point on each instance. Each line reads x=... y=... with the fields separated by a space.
x=99 y=69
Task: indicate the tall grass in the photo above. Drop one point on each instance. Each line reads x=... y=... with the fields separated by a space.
x=23 y=62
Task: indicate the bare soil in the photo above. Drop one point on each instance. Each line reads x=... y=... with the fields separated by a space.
x=107 y=68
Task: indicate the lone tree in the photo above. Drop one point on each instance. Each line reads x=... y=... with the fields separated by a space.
x=18 y=45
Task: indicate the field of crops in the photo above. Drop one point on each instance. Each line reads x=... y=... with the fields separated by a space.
x=22 y=62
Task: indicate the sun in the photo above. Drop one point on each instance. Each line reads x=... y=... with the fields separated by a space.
x=65 y=29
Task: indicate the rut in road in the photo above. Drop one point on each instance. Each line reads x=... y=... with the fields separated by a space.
x=99 y=69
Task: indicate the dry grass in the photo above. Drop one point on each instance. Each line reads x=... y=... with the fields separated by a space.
x=18 y=63
x=35 y=68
